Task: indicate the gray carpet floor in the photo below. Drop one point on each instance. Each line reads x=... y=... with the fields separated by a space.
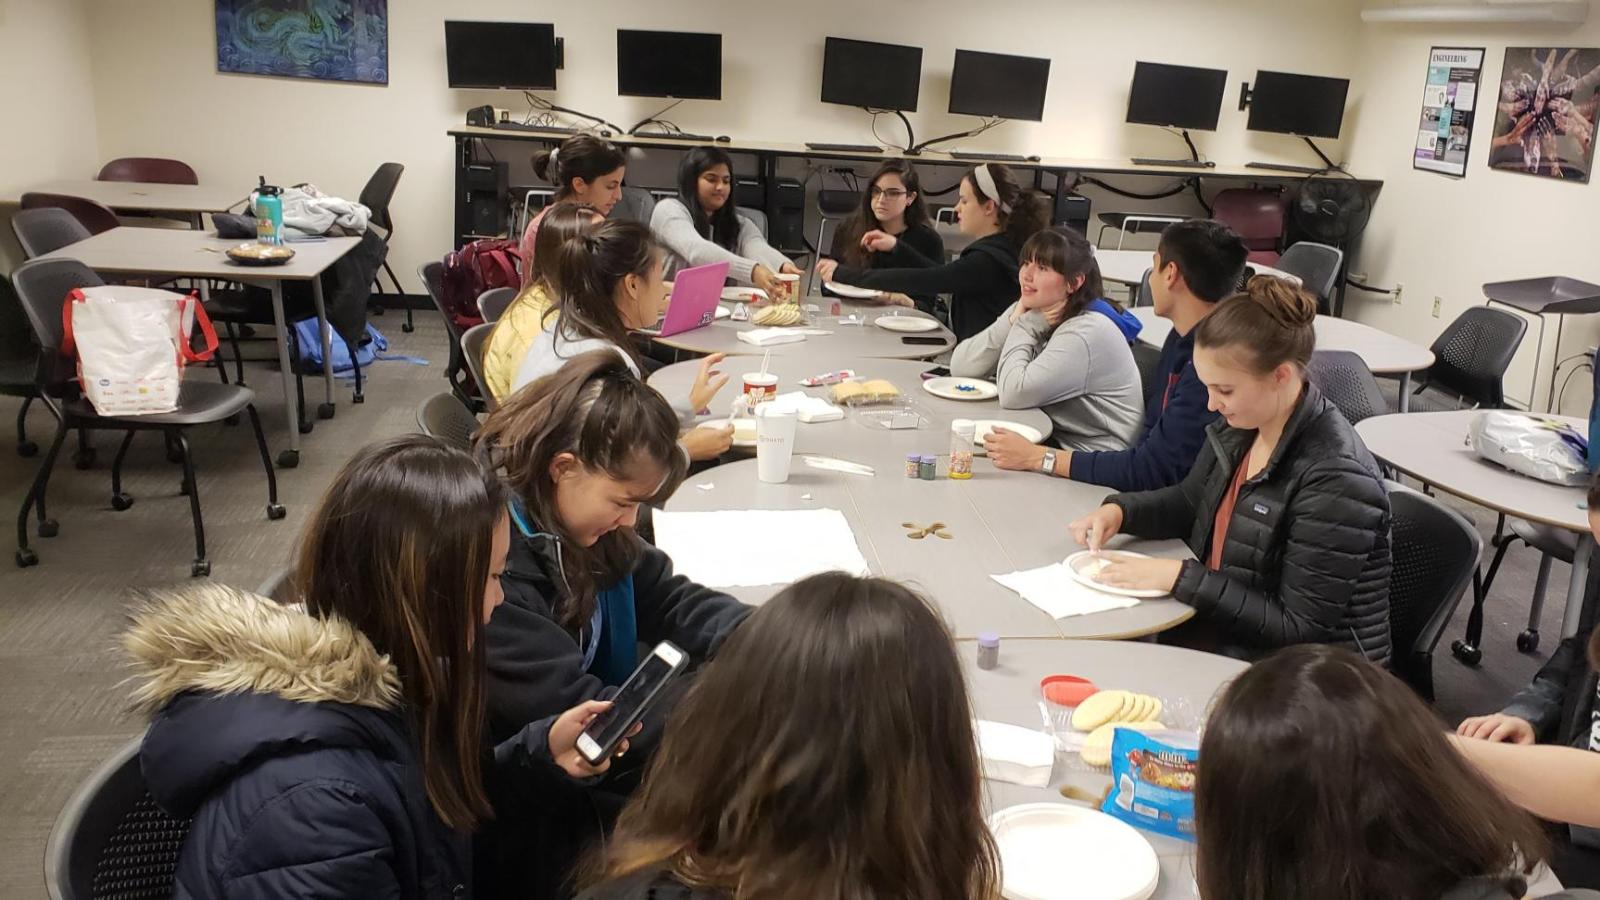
x=62 y=709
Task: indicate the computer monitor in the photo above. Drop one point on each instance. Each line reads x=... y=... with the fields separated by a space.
x=515 y=55
x=1176 y=96
x=994 y=84
x=1304 y=105
x=870 y=74
x=680 y=64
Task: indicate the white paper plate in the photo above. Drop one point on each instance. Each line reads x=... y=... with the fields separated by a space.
x=914 y=324
x=952 y=388
x=850 y=291
x=743 y=294
x=984 y=426
x=1083 y=563
x=749 y=440
x=1054 y=851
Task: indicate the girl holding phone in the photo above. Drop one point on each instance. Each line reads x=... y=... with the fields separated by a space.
x=701 y=225
x=890 y=229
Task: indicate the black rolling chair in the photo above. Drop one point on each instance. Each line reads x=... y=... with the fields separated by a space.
x=455 y=372
x=472 y=344
x=43 y=285
x=1343 y=377
x=444 y=416
x=1143 y=296
x=492 y=304
x=1471 y=356
x=19 y=361
x=1148 y=361
x=46 y=229
x=1435 y=553
x=376 y=196
x=1317 y=266
x=1553 y=544
x=111 y=840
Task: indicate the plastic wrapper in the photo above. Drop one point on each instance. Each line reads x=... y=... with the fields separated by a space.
x=1535 y=446
x=1152 y=781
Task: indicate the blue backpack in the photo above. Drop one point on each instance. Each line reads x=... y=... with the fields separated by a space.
x=308 y=347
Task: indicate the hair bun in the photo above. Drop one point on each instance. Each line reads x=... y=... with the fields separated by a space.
x=1289 y=305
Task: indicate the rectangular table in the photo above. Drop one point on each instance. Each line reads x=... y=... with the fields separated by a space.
x=188 y=200
x=193 y=254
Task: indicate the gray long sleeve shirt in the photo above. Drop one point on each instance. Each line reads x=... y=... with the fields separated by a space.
x=673 y=226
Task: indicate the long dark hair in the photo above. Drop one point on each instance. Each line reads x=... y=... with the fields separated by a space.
x=1028 y=213
x=1271 y=323
x=589 y=267
x=1070 y=254
x=400 y=547
x=1323 y=777
x=581 y=156
x=722 y=226
x=594 y=408
x=561 y=223
x=847 y=240
x=827 y=751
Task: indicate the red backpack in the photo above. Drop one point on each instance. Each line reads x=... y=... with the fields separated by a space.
x=475 y=268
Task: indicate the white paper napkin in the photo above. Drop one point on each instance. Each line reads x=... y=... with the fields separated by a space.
x=809 y=409
x=1053 y=589
x=1015 y=754
x=767 y=337
x=724 y=548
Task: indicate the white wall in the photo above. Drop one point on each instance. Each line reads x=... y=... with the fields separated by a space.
x=1445 y=237
x=157 y=91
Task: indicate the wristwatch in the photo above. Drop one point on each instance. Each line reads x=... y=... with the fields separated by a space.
x=1048 y=464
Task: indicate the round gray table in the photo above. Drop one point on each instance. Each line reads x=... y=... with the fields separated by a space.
x=865 y=341
x=999 y=522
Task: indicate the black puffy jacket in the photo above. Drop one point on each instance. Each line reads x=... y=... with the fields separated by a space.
x=1307 y=552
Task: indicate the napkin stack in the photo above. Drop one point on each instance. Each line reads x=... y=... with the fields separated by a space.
x=1015 y=754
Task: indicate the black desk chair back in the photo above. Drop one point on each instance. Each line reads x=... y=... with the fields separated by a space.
x=494 y=302
x=111 y=841
x=1317 y=266
x=472 y=344
x=19 y=362
x=445 y=416
x=46 y=230
x=376 y=197
x=1472 y=354
x=1435 y=554
x=455 y=372
x=1343 y=377
x=1144 y=297
x=148 y=169
x=94 y=216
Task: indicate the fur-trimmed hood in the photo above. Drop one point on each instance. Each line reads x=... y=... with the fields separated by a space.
x=233 y=679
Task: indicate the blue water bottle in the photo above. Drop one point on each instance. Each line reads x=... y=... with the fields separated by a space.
x=267 y=203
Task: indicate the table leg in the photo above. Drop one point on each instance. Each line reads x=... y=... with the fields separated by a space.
x=1405 y=391
x=1533 y=384
x=197 y=221
x=1555 y=364
x=325 y=411
x=289 y=458
x=1577 y=583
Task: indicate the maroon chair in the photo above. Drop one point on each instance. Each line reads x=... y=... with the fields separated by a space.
x=93 y=216
x=1258 y=217
x=148 y=169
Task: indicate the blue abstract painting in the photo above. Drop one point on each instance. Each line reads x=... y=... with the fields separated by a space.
x=331 y=40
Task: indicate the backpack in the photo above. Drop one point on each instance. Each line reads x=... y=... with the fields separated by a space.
x=308 y=347
x=475 y=268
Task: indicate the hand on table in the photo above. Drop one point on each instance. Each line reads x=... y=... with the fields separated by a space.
x=826 y=268
x=706 y=443
x=1009 y=450
x=707 y=382
x=878 y=241
x=564 y=734
x=896 y=299
x=1498 y=728
x=1096 y=528
x=1141 y=574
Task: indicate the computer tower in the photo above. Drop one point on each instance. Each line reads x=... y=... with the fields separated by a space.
x=1072 y=211
x=486 y=184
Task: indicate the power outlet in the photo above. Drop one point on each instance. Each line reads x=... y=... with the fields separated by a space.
x=1438 y=302
x=1398 y=290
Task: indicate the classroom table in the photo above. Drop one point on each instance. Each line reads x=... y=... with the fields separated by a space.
x=1128 y=266
x=1384 y=353
x=863 y=341
x=194 y=254
x=188 y=200
x=1433 y=448
x=999 y=522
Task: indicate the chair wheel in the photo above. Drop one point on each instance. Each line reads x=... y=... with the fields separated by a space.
x=288 y=459
x=305 y=427
x=26 y=558
x=275 y=511
x=83 y=459
x=408 y=328
x=1466 y=652
x=49 y=528
x=121 y=502
x=325 y=410
x=27 y=449
x=1528 y=641
x=358 y=398
x=201 y=568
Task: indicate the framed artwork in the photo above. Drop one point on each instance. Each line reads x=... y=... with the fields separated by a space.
x=1545 y=118
x=329 y=40
x=1449 y=105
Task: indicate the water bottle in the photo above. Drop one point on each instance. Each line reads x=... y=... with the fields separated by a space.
x=267 y=203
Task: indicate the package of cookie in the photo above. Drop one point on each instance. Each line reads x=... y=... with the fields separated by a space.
x=1152 y=780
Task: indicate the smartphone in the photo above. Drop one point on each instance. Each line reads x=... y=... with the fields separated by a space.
x=638 y=693
x=936 y=372
x=923 y=341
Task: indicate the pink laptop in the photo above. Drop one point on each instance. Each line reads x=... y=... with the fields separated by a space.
x=694 y=300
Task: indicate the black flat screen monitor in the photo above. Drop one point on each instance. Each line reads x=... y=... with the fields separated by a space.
x=1305 y=105
x=994 y=84
x=683 y=65
x=870 y=74
x=1176 y=96
x=515 y=55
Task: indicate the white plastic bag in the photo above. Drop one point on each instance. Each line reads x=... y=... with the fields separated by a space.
x=1538 y=447
x=131 y=344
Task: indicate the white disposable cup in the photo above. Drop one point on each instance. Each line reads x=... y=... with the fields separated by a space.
x=774 y=442
x=791 y=288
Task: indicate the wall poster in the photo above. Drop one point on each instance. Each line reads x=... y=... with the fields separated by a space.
x=1449 y=102
x=1544 y=123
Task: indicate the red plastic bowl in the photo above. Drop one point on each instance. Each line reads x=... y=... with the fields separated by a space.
x=1066 y=690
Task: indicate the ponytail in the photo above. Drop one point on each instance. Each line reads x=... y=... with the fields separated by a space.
x=1022 y=212
x=582 y=156
x=590 y=267
x=1270 y=323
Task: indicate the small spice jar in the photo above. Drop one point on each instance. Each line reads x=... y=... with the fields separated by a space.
x=929 y=468
x=962 y=432
x=913 y=465
x=988 y=650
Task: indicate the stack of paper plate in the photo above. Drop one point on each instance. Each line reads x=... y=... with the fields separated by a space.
x=1053 y=851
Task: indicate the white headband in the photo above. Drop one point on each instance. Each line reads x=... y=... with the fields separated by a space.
x=551 y=165
x=986 y=185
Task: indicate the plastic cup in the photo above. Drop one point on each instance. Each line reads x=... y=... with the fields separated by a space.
x=759 y=388
x=774 y=443
x=788 y=289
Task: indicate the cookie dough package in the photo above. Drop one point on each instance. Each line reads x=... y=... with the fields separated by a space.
x=1152 y=781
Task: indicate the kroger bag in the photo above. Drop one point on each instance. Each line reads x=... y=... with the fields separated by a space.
x=1538 y=447
x=131 y=344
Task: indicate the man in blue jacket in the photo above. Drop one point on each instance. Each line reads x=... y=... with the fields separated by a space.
x=1197 y=264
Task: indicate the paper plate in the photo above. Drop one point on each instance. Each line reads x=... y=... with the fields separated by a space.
x=747 y=440
x=743 y=294
x=984 y=426
x=906 y=323
x=1082 y=563
x=1054 y=851
x=260 y=254
x=850 y=291
x=952 y=388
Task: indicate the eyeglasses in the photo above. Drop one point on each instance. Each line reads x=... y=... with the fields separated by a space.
x=891 y=193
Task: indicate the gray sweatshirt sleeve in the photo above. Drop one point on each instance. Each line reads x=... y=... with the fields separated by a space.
x=979 y=356
x=752 y=245
x=1038 y=368
x=674 y=227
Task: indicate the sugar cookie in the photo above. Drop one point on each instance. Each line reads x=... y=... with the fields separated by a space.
x=1099 y=709
x=1097 y=746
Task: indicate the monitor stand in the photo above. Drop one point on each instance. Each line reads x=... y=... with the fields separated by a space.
x=1329 y=165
